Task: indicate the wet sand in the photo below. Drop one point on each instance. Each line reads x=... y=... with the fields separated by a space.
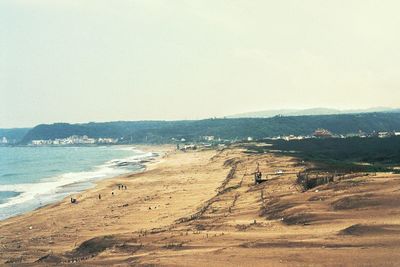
x=202 y=208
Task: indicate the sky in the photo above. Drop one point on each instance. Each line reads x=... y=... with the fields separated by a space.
x=100 y=60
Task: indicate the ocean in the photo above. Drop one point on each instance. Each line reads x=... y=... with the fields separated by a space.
x=31 y=177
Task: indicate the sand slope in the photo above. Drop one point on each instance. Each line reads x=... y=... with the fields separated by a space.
x=202 y=208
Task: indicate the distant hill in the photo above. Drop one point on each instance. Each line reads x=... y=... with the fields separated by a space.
x=308 y=112
x=14 y=135
x=164 y=131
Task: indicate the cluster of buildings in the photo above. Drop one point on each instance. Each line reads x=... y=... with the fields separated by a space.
x=362 y=134
x=323 y=133
x=318 y=133
x=387 y=134
x=74 y=140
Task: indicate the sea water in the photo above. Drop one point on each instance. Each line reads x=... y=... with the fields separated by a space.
x=31 y=177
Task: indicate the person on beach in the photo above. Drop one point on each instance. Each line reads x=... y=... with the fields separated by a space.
x=119 y=187
x=99 y=196
x=112 y=192
x=125 y=187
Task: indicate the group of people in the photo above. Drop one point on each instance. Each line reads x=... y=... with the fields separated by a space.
x=122 y=187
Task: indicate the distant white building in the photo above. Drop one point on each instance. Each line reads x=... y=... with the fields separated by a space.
x=292 y=137
x=41 y=142
x=107 y=141
x=4 y=140
x=322 y=133
x=384 y=134
x=86 y=140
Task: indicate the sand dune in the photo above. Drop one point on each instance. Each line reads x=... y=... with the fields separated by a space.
x=202 y=208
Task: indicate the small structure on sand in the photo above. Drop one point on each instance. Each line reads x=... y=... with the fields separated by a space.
x=258 y=176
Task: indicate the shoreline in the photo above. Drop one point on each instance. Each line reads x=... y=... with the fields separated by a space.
x=79 y=187
x=145 y=205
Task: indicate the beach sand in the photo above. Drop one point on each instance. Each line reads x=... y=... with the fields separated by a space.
x=201 y=208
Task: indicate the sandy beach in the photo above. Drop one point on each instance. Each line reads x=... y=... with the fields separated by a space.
x=202 y=207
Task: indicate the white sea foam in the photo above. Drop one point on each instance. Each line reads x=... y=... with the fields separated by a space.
x=50 y=189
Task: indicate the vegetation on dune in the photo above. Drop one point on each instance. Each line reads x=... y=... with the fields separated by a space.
x=341 y=154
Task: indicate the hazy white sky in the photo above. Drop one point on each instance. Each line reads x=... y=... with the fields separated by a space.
x=100 y=60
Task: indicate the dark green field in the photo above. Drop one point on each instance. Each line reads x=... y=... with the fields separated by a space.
x=341 y=154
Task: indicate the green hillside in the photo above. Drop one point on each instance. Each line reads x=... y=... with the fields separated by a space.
x=164 y=131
